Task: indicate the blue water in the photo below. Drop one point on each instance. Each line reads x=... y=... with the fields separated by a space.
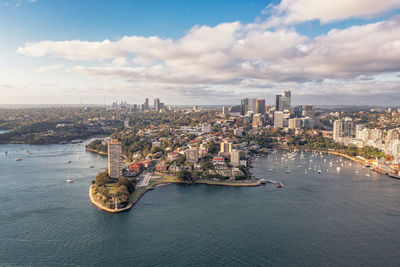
x=332 y=218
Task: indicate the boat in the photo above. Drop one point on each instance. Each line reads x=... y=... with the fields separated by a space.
x=356 y=171
x=367 y=174
x=69 y=181
x=92 y=166
x=68 y=161
x=319 y=171
x=288 y=171
x=270 y=169
x=338 y=169
x=278 y=185
x=18 y=159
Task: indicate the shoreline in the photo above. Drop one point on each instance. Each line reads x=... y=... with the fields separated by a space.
x=365 y=162
x=101 y=207
x=96 y=151
x=139 y=192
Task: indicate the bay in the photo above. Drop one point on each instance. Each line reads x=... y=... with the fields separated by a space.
x=328 y=218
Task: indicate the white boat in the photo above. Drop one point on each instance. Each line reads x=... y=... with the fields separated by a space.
x=319 y=171
x=68 y=161
x=338 y=169
x=18 y=159
x=356 y=171
x=69 y=181
x=367 y=174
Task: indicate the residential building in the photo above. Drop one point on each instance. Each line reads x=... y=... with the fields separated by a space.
x=192 y=155
x=114 y=159
x=235 y=157
x=337 y=129
x=278 y=119
x=226 y=147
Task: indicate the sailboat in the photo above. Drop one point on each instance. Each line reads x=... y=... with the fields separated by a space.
x=69 y=180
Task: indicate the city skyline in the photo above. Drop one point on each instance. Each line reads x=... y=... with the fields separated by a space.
x=214 y=53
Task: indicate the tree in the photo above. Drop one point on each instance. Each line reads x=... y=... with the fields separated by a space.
x=128 y=183
x=102 y=178
x=184 y=175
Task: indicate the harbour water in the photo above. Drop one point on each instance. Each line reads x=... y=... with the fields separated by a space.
x=328 y=218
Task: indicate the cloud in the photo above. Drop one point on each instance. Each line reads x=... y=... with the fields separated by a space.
x=243 y=57
x=50 y=68
x=297 y=11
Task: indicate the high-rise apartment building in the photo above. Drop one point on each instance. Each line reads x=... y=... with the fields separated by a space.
x=114 y=159
x=337 y=130
x=226 y=147
x=295 y=123
x=235 y=157
x=278 y=119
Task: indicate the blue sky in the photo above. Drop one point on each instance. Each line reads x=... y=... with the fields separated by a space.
x=199 y=51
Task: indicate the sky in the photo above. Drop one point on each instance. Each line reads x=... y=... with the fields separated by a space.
x=331 y=52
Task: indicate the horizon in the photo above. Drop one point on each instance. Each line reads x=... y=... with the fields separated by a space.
x=213 y=53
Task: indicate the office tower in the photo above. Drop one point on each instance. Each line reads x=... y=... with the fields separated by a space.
x=235 y=158
x=260 y=106
x=244 y=103
x=287 y=100
x=226 y=147
x=235 y=111
x=248 y=104
x=337 y=129
x=252 y=105
x=278 y=119
x=135 y=107
x=225 y=110
x=157 y=104
x=192 y=155
x=114 y=159
x=146 y=104
x=298 y=111
x=278 y=103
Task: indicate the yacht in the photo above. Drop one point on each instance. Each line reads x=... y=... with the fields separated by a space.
x=68 y=161
x=319 y=171
x=69 y=181
x=18 y=159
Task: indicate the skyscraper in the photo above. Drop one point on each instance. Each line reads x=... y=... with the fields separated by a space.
x=146 y=104
x=287 y=100
x=114 y=159
x=248 y=104
x=278 y=102
x=260 y=106
x=157 y=104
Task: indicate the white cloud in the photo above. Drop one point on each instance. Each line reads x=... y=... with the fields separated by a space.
x=297 y=11
x=232 y=55
x=50 y=68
